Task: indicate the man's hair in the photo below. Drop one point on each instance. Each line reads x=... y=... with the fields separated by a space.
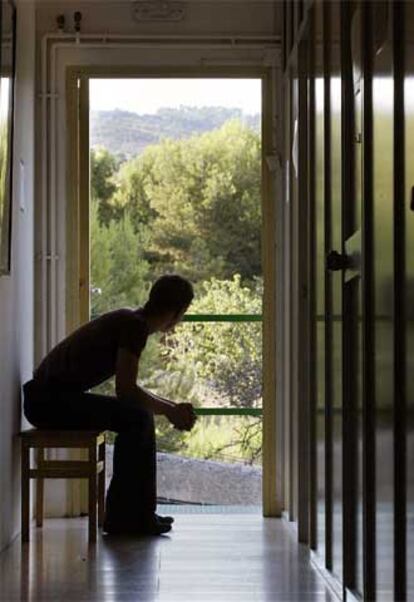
x=169 y=293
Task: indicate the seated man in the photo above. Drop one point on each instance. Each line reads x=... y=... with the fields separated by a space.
x=110 y=345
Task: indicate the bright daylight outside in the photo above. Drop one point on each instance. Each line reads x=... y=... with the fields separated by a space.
x=176 y=187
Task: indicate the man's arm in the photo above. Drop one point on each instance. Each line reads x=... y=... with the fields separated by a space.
x=156 y=396
x=126 y=384
x=180 y=415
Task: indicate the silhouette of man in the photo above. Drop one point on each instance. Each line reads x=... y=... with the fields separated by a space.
x=58 y=397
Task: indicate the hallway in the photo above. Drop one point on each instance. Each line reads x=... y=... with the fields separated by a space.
x=207 y=558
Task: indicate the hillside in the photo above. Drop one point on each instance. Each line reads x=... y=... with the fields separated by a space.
x=125 y=133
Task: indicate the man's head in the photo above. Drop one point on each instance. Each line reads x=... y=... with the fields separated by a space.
x=169 y=298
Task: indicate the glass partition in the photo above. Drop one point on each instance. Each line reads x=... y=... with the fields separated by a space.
x=383 y=175
x=409 y=255
x=320 y=279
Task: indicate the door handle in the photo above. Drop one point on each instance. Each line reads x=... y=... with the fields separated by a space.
x=338 y=261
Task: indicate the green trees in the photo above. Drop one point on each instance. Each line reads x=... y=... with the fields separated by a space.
x=205 y=193
x=193 y=207
x=217 y=364
x=103 y=168
x=118 y=268
x=200 y=200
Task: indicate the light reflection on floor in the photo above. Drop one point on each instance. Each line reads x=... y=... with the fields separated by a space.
x=206 y=558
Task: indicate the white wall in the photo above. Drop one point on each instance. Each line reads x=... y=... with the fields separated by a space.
x=202 y=17
x=16 y=290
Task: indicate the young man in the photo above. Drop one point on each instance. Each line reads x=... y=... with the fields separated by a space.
x=110 y=345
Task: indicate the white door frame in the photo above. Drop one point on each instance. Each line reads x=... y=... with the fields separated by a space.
x=65 y=63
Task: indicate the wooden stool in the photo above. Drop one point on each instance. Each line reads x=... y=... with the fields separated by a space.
x=89 y=469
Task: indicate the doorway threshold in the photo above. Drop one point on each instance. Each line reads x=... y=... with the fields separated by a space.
x=185 y=508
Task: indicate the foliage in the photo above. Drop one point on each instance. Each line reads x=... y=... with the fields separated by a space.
x=200 y=199
x=118 y=269
x=191 y=206
x=225 y=438
x=198 y=357
x=134 y=180
x=214 y=364
x=104 y=167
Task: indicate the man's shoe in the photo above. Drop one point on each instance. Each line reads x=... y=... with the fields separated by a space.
x=166 y=520
x=153 y=527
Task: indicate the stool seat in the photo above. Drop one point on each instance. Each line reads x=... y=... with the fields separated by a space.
x=92 y=469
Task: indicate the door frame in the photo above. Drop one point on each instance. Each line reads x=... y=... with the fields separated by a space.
x=77 y=225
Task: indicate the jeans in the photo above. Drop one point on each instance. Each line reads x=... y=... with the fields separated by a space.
x=131 y=496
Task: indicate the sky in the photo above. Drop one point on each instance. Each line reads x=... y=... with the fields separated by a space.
x=148 y=95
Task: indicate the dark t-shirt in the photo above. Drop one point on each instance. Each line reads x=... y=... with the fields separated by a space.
x=87 y=357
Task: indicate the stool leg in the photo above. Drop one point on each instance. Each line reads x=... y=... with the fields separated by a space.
x=39 y=490
x=92 y=497
x=101 y=485
x=25 y=459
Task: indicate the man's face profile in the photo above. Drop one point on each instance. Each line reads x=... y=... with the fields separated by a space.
x=172 y=319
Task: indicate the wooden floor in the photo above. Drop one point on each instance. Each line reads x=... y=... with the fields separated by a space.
x=206 y=558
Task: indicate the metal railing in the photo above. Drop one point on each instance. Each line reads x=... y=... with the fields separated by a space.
x=238 y=318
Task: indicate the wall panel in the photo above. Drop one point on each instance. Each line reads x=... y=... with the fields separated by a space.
x=383 y=173
x=408 y=212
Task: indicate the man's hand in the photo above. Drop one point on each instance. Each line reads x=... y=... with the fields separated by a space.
x=182 y=416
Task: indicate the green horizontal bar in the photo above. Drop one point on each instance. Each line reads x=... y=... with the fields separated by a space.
x=228 y=411
x=222 y=318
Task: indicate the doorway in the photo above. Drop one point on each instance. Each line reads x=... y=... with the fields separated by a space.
x=181 y=182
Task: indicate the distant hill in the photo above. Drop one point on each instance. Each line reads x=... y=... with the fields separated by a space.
x=127 y=134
